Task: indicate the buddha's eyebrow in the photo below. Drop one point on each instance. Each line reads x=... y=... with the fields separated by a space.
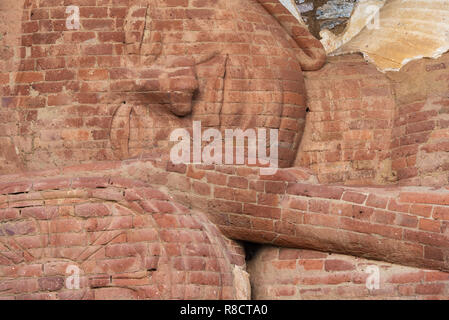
x=139 y=38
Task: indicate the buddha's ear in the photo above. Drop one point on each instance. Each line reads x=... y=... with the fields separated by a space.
x=309 y=50
x=142 y=44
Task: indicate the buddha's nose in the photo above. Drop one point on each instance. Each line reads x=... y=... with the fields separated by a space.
x=173 y=76
x=180 y=83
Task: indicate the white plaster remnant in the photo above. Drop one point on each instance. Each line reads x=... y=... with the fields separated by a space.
x=362 y=15
x=242 y=284
x=335 y=9
x=291 y=6
x=305 y=7
x=406 y=30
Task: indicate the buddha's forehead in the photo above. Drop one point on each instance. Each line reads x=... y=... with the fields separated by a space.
x=218 y=10
x=179 y=5
x=196 y=15
x=202 y=22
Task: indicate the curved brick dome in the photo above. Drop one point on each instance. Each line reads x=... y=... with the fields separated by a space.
x=125 y=240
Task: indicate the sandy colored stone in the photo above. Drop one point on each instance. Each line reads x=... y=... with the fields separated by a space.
x=402 y=31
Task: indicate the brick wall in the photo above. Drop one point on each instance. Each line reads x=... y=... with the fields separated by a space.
x=116 y=87
x=280 y=273
x=369 y=128
x=421 y=130
x=348 y=133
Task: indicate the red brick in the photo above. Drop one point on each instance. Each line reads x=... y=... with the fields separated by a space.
x=142 y=235
x=238 y=182
x=93 y=74
x=312 y=264
x=9 y=214
x=431 y=198
x=422 y=210
x=246 y=195
x=50 y=63
x=354 y=197
x=149 y=193
x=49 y=184
x=271 y=200
x=337 y=265
x=433 y=253
x=163 y=206
x=18 y=187
x=202 y=278
x=377 y=202
x=201 y=188
x=430 y=225
x=92 y=210
x=275 y=187
x=285 y=264
x=288 y=254
x=224 y=193
x=90 y=182
x=384 y=217
x=409 y=277
x=434 y=288
x=68 y=239
x=436 y=276
x=321 y=206
x=29 y=77
x=195 y=174
x=298 y=204
x=108 y=194
x=441 y=213
x=406 y=220
x=315 y=191
x=262 y=211
x=59 y=75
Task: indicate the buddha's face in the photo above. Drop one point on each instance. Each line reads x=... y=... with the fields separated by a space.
x=134 y=71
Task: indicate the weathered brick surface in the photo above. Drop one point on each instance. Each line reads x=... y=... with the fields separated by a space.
x=400 y=224
x=280 y=273
x=348 y=133
x=419 y=147
x=366 y=127
x=77 y=102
